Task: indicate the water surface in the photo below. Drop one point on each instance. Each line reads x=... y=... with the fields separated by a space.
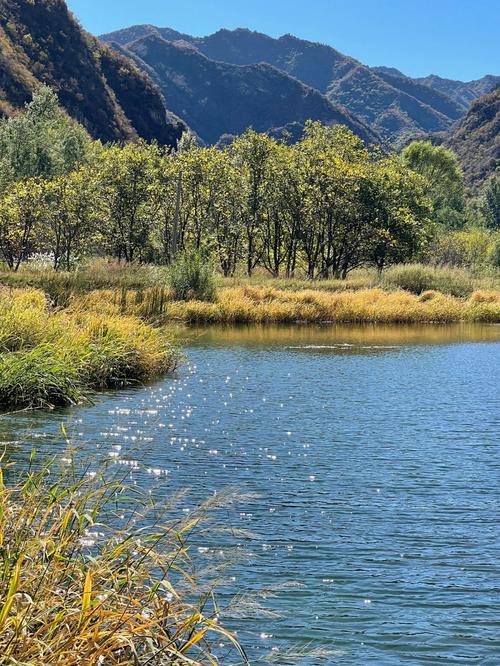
x=372 y=458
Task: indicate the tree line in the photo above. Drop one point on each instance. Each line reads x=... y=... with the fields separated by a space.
x=323 y=206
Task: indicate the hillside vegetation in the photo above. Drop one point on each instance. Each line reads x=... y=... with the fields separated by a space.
x=476 y=140
x=394 y=105
x=41 y=43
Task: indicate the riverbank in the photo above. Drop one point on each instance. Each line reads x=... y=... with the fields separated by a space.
x=246 y=304
x=56 y=349
x=52 y=357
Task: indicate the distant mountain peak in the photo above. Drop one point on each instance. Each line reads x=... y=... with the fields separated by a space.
x=393 y=104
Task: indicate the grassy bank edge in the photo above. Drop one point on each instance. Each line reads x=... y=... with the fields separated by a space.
x=51 y=357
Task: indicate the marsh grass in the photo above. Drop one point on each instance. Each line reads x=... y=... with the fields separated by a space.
x=91 y=275
x=84 y=580
x=53 y=357
x=191 y=278
x=248 y=304
x=242 y=305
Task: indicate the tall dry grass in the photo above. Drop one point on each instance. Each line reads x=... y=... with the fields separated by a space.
x=270 y=305
x=52 y=357
x=85 y=582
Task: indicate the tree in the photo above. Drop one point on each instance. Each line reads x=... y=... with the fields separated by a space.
x=490 y=202
x=400 y=212
x=440 y=167
x=251 y=153
x=331 y=229
x=22 y=212
x=72 y=215
x=41 y=142
x=126 y=179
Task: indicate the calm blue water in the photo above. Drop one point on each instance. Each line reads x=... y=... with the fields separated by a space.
x=372 y=457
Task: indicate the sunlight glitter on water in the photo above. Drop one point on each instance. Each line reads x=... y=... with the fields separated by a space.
x=371 y=485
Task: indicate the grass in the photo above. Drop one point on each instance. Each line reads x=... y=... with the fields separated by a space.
x=52 y=357
x=79 y=584
x=268 y=305
x=417 y=278
x=190 y=278
x=95 y=274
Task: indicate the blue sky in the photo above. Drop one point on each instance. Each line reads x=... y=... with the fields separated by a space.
x=452 y=38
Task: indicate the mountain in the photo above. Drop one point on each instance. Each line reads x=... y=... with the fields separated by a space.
x=217 y=98
x=463 y=92
x=476 y=139
x=41 y=42
x=393 y=104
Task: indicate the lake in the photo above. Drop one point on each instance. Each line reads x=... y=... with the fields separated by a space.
x=369 y=457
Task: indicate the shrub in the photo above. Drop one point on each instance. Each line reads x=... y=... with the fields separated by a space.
x=79 y=584
x=494 y=253
x=468 y=248
x=417 y=278
x=192 y=278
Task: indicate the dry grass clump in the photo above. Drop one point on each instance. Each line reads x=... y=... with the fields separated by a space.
x=267 y=305
x=484 y=296
x=55 y=357
x=84 y=581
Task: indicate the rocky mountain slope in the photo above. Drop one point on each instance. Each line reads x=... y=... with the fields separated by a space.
x=394 y=105
x=216 y=98
x=41 y=42
x=476 y=139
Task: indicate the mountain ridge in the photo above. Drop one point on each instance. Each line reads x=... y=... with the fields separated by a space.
x=394 y=105
x=42 y=43
x=194 y=84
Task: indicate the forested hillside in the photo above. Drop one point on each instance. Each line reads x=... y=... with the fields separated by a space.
x=41 y=43
x=216 y=98
x=394 y=105
x=476 y=140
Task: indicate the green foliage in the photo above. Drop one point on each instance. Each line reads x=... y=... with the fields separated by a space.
x=490 y=202
x=22 y=212
x=440 y=167
x=41 y=377
x=52 y=358
x=42 y=142
x=323 y=206
x=192 y=278
x=494 y=253
x=125 y=178
x=469 y=249
x=418 y=278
